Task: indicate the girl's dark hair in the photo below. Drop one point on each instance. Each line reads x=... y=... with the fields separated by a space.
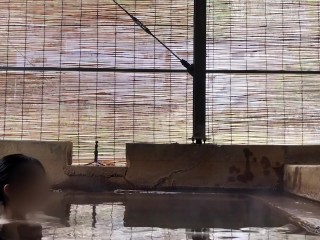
x=15 y=168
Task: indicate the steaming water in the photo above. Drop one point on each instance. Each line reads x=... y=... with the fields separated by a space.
x=167 y=216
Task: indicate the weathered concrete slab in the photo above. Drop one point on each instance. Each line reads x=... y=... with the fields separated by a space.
x=303 y=180
x=204 y=166
x=301 y=211
x=55 y=156
x=95 y=179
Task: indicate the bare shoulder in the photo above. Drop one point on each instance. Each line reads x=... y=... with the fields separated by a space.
x=41 y=217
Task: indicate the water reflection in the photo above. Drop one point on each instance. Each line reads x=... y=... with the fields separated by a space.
x=198 y=234
x=146 y=216
x=194 y=212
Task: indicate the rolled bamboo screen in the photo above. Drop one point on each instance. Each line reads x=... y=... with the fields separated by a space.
x=57 y=77
x=280 y=103
x=42 y=98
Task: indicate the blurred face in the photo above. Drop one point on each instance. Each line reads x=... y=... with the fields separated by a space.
x=30 y=194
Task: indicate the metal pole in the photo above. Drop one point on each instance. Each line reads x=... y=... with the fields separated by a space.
x=199 y=80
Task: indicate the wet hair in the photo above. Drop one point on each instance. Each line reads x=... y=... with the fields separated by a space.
x=16 y=168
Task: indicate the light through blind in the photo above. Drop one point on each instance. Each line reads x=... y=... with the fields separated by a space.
x=280 y=103
x=44 y=94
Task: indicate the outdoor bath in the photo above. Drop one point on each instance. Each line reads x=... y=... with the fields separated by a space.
x=174 y=191
x=161 y=119
x=176 y=216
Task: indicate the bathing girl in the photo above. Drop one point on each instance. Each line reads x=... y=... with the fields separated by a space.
x=23 y=190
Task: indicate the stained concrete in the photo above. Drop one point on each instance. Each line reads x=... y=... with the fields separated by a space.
x=174 y=166
x=55 y=156
x=303 y=180
x=107 y=172
x=90 y=178
x=302 y=171
x=204 y=166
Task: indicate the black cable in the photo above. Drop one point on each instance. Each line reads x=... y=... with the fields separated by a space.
x=184 y=63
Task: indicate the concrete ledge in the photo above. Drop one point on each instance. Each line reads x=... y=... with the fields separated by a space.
x=94 y=179
x=303 y=180
x=95 y=171
x=55 y=156
x=204 y=166
x=303 y=212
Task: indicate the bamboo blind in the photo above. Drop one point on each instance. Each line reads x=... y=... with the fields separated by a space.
x=62 y=102
x=281 y=103
x=66 y=103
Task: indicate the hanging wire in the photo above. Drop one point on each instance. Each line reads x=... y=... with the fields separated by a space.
x=266 y=66
x=283 y=77
x=187 y=84
x=79 y=83
x=97 y=74
x=154 y=74
x=115 y=88
x=184 y=63
x=210 y=81
x=43 y=64
x=302 y=80
x=24 y=65
x=134 y=79
x=170 y=81
x=60 y=72
x=230 y=78
x=246 y=67
x=213 y=76
x=146 y=29
x=6 y=81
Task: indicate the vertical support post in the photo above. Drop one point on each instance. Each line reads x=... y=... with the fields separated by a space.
x=199 y=79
